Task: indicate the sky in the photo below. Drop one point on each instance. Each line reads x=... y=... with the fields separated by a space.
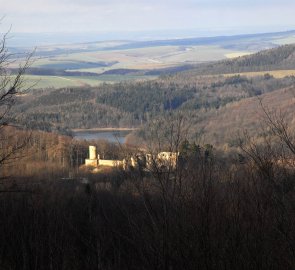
x=219 y=16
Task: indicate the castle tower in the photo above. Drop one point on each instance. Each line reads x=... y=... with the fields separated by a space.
x=92 y=161
x=92 y=152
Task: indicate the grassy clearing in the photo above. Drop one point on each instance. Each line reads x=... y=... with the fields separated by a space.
x=34 y=82
x=236 y=54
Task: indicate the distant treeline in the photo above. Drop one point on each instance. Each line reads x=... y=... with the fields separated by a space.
x=153 y=72
x=282 y=57
x=56 y=72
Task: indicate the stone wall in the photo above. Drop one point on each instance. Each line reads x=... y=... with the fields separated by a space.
x=110 y=163
x=91 y=162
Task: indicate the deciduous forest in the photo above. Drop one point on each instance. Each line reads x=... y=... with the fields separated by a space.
x=228 y=201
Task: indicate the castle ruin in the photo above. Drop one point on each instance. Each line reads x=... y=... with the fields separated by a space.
x=95 y=160
x=147 y=161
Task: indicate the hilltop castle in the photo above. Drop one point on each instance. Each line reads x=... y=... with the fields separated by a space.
x=162 y=159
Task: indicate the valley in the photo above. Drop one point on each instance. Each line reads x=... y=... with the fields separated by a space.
x=219 y=105
x=165 y=154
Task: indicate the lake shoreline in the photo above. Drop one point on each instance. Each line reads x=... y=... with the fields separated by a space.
x=112 y=135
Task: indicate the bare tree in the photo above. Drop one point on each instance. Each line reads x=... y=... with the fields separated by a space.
x=277 y=122
x=12 y=84
x=273 y=160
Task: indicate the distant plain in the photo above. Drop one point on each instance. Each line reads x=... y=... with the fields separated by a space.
x=113 y=61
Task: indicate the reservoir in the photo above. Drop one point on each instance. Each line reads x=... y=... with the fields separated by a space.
x=113 y=136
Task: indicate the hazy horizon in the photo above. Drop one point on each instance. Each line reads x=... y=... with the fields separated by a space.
x=198 y=16
x=58 y=38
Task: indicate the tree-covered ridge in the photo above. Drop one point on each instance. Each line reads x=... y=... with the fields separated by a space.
x=282 y=57
x=146 y=97
x=132 y=104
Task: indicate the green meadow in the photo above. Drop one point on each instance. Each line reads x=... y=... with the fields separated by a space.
x=35 y=81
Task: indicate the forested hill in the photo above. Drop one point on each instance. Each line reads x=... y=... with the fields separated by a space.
x=280 y=58
x=131 y=104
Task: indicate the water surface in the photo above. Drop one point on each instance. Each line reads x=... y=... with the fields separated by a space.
x=114 y=136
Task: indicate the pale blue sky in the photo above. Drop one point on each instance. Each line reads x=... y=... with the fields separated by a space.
x=142 y=15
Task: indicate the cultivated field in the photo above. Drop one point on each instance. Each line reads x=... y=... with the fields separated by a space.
x=100 y=57
x=142 y=58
